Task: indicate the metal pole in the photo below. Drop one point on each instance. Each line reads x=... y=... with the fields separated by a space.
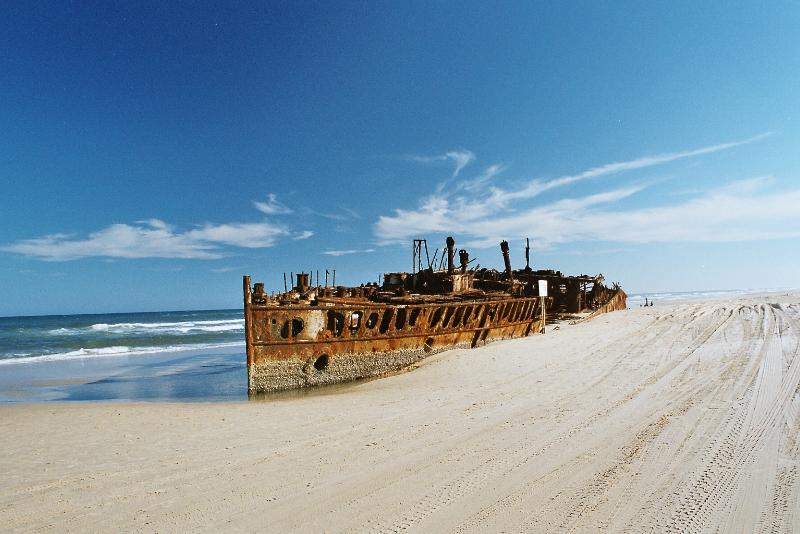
x=427 y=256
x=527 y=254
x=451 y=243
x=544 y=316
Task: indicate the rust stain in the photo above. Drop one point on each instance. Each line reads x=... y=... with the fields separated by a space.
x=319 y=334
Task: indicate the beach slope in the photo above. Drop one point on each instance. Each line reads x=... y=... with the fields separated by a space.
x=677 y=417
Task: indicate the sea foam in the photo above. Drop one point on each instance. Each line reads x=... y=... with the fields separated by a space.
x=114 y=351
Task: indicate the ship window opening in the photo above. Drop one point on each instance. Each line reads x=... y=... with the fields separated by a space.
x=274 y=321
x=562 y=288
x=297 y=326
x=447 y=315
x=355 y=320
x=457 y=317
x=321 y=363
x=437 y=316
x=428 y=346
x=372 y=320
x=285 y=330
x=412 y=320
x=335 y=323
x=400 y=321
x=385 y=321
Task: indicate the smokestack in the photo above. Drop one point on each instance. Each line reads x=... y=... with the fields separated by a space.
x=451 y=243
x=302 y=282
x=463 y=257
x=506 y=259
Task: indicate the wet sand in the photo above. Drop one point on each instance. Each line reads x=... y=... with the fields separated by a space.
x=680 y=417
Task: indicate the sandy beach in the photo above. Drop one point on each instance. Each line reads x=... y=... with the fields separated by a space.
x=679 y=417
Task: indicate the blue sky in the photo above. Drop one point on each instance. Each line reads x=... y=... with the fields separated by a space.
x=150 y=155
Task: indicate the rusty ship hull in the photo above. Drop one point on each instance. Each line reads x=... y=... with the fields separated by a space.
x=381 y=338
x=316 y=335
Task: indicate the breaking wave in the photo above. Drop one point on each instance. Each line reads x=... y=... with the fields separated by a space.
x=180 y=327
x=121 y=350
x=65 y=337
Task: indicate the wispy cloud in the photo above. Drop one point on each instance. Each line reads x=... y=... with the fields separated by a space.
x=151 y=239
x=224 y=269
x=305 y=234
x=345 y=214
x=742 y=210
x=271 y=206
x=459 y=158
x=537 y=187
x=347 y=252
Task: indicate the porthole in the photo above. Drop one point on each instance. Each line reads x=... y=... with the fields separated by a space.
x=321 y=363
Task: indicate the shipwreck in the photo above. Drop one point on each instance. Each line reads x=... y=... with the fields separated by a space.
x=314 y=334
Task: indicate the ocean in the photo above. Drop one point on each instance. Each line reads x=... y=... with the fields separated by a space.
x=63 y=337
x=176 y=355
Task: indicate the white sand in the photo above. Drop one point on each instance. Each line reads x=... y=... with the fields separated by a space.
x=672 y=418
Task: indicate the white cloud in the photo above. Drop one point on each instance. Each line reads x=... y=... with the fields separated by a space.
x=271 y=206
x=346 y=252
x=245 y=235
x=347 y=215
x=150 y=239
x=459 y=158
x=155 y=223
x=741 y=210
x=305 y=234
x=537 y=187
x=224 y=269
x=480 y=181
x=736 y=212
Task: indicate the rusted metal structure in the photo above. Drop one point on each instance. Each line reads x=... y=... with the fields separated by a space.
x=319 y=334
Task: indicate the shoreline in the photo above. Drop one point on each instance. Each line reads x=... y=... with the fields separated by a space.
x=191 y=375
x=70 y=379
x=681 y=417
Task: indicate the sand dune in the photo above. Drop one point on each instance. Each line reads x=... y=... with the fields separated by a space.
x=673 y=418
